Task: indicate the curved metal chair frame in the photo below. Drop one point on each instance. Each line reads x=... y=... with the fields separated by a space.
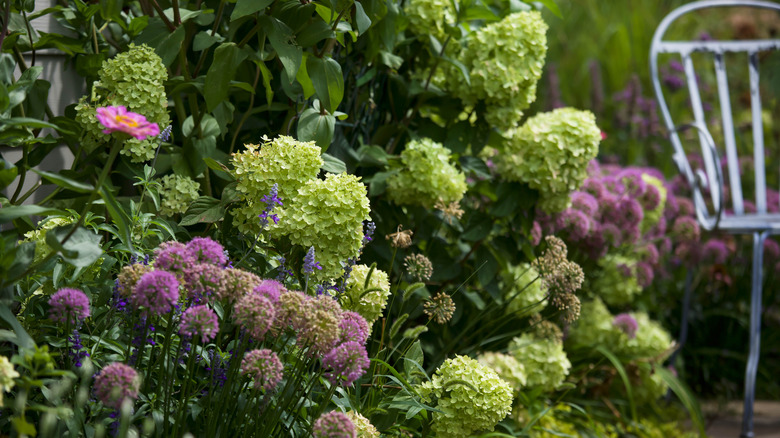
x=760 y=224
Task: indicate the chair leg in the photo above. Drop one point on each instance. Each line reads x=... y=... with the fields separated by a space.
x=755 y=334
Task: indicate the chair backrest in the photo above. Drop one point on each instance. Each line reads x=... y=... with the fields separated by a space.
x=711 y=176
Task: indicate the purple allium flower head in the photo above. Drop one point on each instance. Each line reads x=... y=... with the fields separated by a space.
x=309 y=262
x=632 y=181
x=201 y=281
x=686 y=227
x=255 y=314
x=236 y=283
x=345 y=363
x=172 y=256
x=630 y=212
x=624 y=270
x=584 y=202
x=289 y=311
x=129 y=276
x=627 y=324
x=536 y=233
x=270 y=289
x=319 y=324
x=685 y=207
x=644 y=274
x=353 y=327
x=649 y=254
x=264 y=367
x=206 y=250
x=334 y=425
x=630 y=233
x=676 y=66
x=199 y=321
x=593 y=186
x=69 y=306
x=115 y=383
x=613 y=184
x=577 y=223
x=771 y=249
x=715 y=251
x=157 y=291
x=650 y=198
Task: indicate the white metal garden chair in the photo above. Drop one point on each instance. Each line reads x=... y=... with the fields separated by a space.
x=760 y=223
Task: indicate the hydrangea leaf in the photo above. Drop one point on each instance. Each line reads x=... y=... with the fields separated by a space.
x=328 y=81
x=227 y=58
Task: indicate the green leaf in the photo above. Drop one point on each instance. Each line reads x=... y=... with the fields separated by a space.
x=8 y=172
x=81 y=250
x=119 y=216
x=478 y=228
x=204 y=210
x=227 y=58
x=65 y=182
x=332 y=164
x=552 y=6
x=166 y=44
x=304 y=79
x=28 y=122
x=361 y=19
x=327 y=79
x=23 y=339
x=12 y=212
x=283 y=41
x=110 y=10
x=463 y=69
x=246 y=7
x=623 y=376
x=267 y=76
x=204 y=40
x=314 y=32
x=317 y=127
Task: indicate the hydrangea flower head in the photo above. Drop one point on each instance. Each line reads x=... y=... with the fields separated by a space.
x=264 y=367
x=345 y=363
x=550 y=153
x=328 y=215
x=506 y=366
x=207 y=250
x=115 y=383
x=523 y=289
x=199 y=321
x=428 y=177
x=430 y=17
x=255 y=314
x=546 y=364
x=69 y=306
x=7 y=376
x=177 y=193
x=334 y=425
x=119 y=119
x=617 y=283
x=156 y=292
x=370 y=304
x=363 y=427
x=284 y=162
x=134 y=79
x=478 y=405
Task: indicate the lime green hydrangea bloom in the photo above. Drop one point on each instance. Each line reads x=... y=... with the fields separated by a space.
x=546 y=364
x=550 y=153
x=523 y=290
x=648 y=386
x=617 y=282
x=471 y=398
x=328 y=215
x=369 y=305
x=506 y=366
x=363 y=427
x=653 y=216
x=284 y=161
x=595 y=328
x=7 y=376
x=177 y=193
x=136 y=80
x=38 y=235
x=428 y=17
x=505 y=60
x=427 y=177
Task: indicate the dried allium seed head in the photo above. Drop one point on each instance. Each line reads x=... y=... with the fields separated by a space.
x=440 y=308
x=418 y=267
x=401 y=238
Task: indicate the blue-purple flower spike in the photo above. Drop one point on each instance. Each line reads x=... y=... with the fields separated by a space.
x=271 y=200
x=309 y=262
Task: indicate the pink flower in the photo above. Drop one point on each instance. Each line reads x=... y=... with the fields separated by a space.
x=119 y=119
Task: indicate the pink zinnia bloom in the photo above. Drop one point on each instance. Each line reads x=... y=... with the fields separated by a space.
x=119 y=119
